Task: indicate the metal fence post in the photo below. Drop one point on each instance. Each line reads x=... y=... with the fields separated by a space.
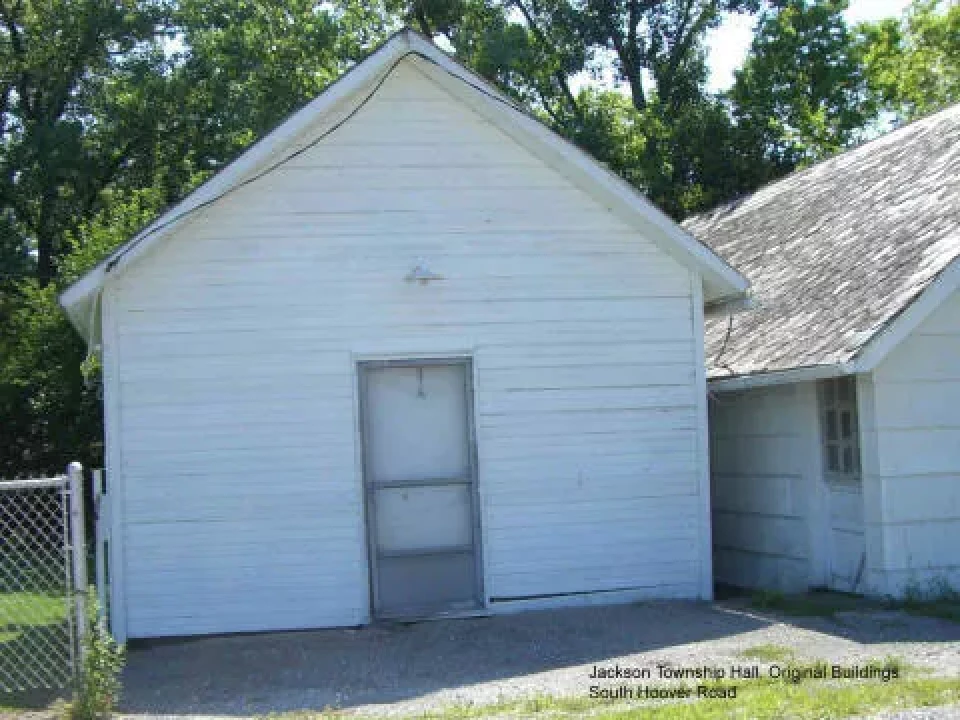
x=78 y=548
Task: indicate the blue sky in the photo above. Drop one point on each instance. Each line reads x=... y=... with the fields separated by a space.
x=729 y=43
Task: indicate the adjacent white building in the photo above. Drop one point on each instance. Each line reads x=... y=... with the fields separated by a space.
x=412 y=354
x=835 y=398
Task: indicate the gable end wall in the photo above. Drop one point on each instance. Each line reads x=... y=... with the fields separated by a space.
x=234 y=346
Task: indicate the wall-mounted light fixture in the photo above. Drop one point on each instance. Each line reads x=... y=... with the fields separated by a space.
x=422 y=274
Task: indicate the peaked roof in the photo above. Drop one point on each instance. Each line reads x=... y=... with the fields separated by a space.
x=336 y=105
x=837 y=254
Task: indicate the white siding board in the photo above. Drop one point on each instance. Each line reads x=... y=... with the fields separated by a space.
x=748 y=568
x=593 y=422
x=772 y=495
x=762 y=481
x=921 y=498
x=237 y=341
x=616 y=486
x=917 y=471
x=765 y=535
x=252 y=318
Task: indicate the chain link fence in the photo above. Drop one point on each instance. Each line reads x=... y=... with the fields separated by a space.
x=38 y=573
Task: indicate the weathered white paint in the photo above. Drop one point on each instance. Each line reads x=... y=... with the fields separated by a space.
x=765 y=465
x=847 y=551
x=112 y=461
x=779 y=522
x=231 y=378
x=721 y=283
x=705 y=521
x=914 y=509
x=895 y=531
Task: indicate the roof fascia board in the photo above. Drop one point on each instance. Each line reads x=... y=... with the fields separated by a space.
x=726 y=306
x=728 y=283
x=258 y=155
x=919 y=309
x=780 y=377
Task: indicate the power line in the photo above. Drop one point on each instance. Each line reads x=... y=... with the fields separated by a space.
x=313 y=143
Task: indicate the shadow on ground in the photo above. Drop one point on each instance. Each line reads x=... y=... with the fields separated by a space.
x=480 y=660
x=855 y=618
x=253 y=674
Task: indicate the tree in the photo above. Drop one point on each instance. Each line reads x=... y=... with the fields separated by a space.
x=50 y=414
x=57 y=154
x=802 y=93
x=913 y=64
x=240 y=69
x=664 y=132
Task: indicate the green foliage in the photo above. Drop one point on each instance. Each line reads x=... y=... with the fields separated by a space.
x=103 y=126
x=656 y=47
x=61 y=58
x=767 y=599
x=913 y=65
x=98 y=683
x=801 y=92
x=768 y=653
x=935 y=598
x=111 y=110
x=762 y=699
x=813 y=604
x=684 y=162
x=51 y=415
x=242 y=67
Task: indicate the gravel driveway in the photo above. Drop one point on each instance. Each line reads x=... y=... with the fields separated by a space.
x=397 y=668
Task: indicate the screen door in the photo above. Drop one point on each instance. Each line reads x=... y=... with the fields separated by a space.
x=420 y=487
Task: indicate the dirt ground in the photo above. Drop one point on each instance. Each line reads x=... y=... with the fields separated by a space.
x=412 y=668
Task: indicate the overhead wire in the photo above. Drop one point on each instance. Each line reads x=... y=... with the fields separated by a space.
x=112 y=262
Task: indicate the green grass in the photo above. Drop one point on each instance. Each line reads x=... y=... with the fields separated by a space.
x=30 y=623
x=763 y=699
x=945 y=606
x=30 y=608
x=24 y=610
x=944 y=610
x=768 y=653
x=759 y=700
x=813 y=604
x=937 y=598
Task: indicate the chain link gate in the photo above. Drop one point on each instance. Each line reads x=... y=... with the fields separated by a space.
x=42 y=563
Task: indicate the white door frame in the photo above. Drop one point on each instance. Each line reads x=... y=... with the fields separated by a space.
x=369 y=488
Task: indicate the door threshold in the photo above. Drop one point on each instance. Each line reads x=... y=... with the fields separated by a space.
x=414 y=616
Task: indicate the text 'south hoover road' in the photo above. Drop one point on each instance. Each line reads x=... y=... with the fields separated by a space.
x=664 y=681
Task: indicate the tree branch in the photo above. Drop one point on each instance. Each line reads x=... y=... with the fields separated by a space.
x=558 y=76
x=628 y=50
x=9 y=18
x=421 y=17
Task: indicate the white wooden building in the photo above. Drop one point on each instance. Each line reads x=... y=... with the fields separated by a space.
x=412 y=354
x=835 y=398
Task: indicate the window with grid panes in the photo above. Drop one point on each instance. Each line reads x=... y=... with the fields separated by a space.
x=839 y=426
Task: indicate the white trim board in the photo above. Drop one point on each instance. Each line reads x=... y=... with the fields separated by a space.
x=918 y=309
x=721 y=282
x=702 y=442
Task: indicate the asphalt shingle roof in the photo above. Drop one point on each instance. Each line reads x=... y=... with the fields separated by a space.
x=838 y=250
